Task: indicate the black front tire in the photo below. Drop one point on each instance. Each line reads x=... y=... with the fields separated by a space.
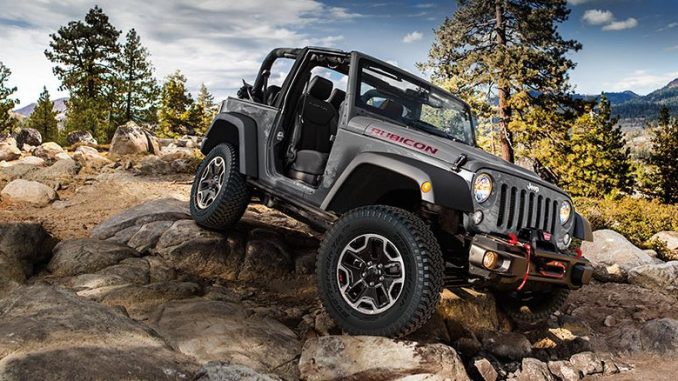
x=233 y=196
x=422 y=262
x=533 y=306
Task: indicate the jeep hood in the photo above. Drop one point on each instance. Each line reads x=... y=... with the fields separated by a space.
x=448 y=150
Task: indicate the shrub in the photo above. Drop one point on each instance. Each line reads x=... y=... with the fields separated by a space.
x=636 y=219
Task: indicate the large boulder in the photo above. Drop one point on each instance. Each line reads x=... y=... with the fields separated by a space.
x=81 y=256
x=468 y=311
x=153 y=165
x=532 y=369
x=201 y=252
x=172 y=152
x=29 y=136
x=60 y=173
x=145 y=239
x=11 y=273
x=141 y=301
x=30 y=192
x=27 y=242
x=377 y=358
x=507 y=345
x=662 y=277
x=209 y=330
x=655 y=336
x=89 y=158
x=32 y=160
x=47 y=333
x=131 y=139
x=166 y=209
x=609 y=248
x=8 y=149
x=18 y=170
x=266 y=257
x=670 y=239
x=48 y=151
x=81 y=137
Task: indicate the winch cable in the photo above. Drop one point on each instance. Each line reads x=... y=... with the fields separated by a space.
x=528 y=249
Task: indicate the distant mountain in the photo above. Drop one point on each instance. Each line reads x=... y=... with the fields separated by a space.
x=59 y=106
x=614 y=98
x=634 y=110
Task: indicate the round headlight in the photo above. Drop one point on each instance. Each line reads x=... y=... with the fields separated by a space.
x=565 y=212
x=482 y=187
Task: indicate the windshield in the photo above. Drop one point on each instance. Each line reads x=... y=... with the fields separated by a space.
x=413 y=103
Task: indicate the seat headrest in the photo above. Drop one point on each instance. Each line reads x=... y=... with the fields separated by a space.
x=336 y=98
x=320 y=87
x=271 y=94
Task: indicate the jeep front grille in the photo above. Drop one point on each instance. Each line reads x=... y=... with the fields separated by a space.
x=518 y=203
x=519 y=208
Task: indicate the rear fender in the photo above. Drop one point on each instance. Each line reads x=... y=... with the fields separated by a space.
x=239 y=130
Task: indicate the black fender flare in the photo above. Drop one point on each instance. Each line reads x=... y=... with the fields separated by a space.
x=582 y=228
x=449 y=189
x=239 y=130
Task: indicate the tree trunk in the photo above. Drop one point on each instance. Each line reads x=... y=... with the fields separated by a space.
x=504 y=109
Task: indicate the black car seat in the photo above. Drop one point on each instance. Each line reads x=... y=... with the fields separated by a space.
x=313 y=132
x=272 y=94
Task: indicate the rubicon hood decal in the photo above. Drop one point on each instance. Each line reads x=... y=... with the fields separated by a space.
x=402 y=140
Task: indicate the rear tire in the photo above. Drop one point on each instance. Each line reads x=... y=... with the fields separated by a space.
x=394 y=250
x=219 y=195
x=532 y=307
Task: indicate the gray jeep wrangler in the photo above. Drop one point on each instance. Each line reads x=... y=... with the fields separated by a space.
x=387 y=164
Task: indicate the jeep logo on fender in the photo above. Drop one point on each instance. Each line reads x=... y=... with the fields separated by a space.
x=532 y=188
x=403 y=140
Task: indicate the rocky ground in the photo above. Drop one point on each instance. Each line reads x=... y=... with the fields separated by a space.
x=103 y=275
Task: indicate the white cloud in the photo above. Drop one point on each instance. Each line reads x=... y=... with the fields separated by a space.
x=621 y=25
x=425 y=5
x=607 y=19
x=642 y=81
x=342 y=13
x=668 y=26
x=413 y=36
x=211 y=41
x=578 y=2
x=597 y=17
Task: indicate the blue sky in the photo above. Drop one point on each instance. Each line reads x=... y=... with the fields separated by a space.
x=628 y=44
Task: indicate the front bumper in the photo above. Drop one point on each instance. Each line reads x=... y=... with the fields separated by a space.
x=545 y=266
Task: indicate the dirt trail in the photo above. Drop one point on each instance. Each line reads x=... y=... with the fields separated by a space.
x=87 y=202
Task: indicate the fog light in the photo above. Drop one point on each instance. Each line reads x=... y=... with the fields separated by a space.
x=567 y=240
x=477 y=217
x=491 y=260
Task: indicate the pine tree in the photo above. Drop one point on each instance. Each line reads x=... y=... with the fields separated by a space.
x=175 y=113
x=139 y=88
x=597 y=163
x=7 y=103
x=205 y=110
x=665 y=156
x=510 y=48
x=85 y=55
x=43 y=118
